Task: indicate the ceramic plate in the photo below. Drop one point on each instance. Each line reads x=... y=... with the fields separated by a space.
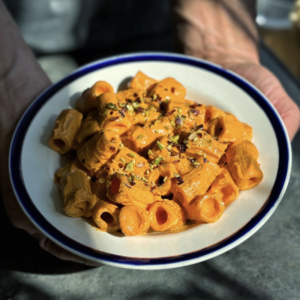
x=32 y=164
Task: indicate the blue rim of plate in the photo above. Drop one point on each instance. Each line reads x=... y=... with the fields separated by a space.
x=31 y=211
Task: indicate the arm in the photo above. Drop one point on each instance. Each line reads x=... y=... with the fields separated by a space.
x=21 y=80
x=223 y=31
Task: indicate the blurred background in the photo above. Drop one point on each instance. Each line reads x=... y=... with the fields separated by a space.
x=65 y=34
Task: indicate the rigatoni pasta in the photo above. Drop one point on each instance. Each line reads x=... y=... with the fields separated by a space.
x=148 y=159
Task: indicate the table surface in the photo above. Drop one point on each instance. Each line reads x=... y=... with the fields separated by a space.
x=266 y=266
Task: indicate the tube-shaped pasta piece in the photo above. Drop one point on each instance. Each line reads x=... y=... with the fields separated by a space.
x=169 y=88
x=111 y=115
x=163 y=183
x=70 y=168
x=166 y=215
x=132 y=95
x=185 y=113
x=89 y=127
x=202 y=144
x=211 y=113
x=76 y=193
x=194 y=183
x=98 y=183
x=142 y=81
x=65 y=130
x=127 y=161
x=120 y=189
x=206 y=208
x=87 y=101
x=134 y=220
x=225 y=187
x=144 y=137
x=228 y=129
x=163 y=149
x=243 y=166
x=106 y=216
x=98 y=150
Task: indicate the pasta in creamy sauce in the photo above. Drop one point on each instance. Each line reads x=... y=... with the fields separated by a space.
x=149 y=159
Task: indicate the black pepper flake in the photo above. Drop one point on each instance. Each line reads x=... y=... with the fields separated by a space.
x=169 y=142
x=181 y=147
x=140 y=109
x=166 y=89
x=170 y=112
x=173 y=90
x=180 y=180
x=122 y=113
x=138 y=99
x=196 y=112
x=194 y=105
x=225 y=164
x=135 y=94
x=161 y=105
x=205 y=159
x=113 y=119
x=178 y=120
x=132 y=183
x=199 y=127
x=83 y=160
x=94 y=178
x=111 y=112
x=112 y=148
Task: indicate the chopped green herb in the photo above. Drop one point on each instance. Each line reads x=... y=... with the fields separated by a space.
x=101 y=180
x=112 y=106
x=165 y=179
x=144 y=179
x=135 y=104
x=121 y=146
x=156 y=131
x=196 y=163
x=173 y=123
x=132 y=154
x=129 y=107
x=179 y=110
x=167 y=101
x=157 y=160
x=129 y=167
x=150 y=152
x=174 y=139
x=170 y=147
x=122 y=160
x=140 y=137
x=154 y=97
x=147 y=172
x=147 y=113
x=167 y=127
x=176 y=175
x=105 y=112
x=160 y=145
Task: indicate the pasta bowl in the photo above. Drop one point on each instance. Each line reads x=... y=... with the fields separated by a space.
x=32 y=164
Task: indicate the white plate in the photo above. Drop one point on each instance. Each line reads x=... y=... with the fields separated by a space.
x=33 y=163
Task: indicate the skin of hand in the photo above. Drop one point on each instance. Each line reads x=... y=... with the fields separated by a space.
x=21 y=80
x=223 y=32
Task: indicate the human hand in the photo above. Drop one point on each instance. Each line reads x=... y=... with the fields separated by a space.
x=223 y=32
x=21 y=80
x=262 y=79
